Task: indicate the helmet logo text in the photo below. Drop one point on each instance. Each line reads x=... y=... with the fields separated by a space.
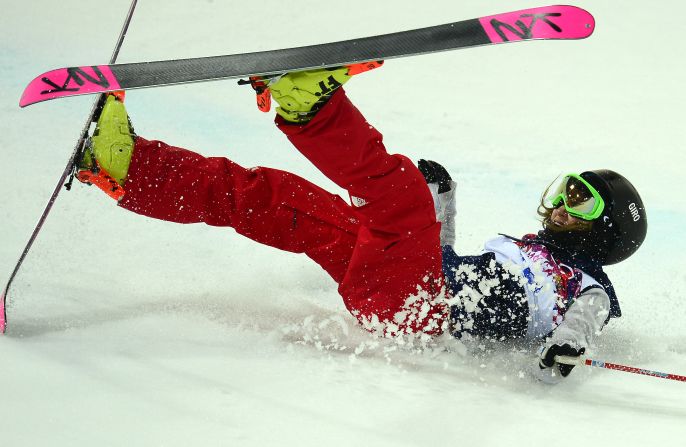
x=634 y=212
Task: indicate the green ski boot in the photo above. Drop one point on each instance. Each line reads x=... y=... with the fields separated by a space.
x=112 y=142
x=301 y=94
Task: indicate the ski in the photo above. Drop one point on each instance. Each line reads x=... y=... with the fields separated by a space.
x=548 y=22
x=68 y=170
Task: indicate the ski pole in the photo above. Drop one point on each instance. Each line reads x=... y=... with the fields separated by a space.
x=67 y=171
x=585 y=361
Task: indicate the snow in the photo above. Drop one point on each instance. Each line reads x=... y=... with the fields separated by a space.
x=129 y=331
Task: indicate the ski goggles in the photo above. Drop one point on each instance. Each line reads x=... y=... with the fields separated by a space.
x=580 y=198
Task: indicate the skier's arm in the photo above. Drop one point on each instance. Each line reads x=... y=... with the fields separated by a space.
x=584 y=319
x=442 y=189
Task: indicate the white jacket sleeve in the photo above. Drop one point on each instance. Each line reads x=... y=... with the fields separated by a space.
x=444 y=204
x=584 y=319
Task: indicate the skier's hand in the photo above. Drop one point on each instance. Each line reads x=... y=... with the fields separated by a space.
x=435 y=173
x=547 y=357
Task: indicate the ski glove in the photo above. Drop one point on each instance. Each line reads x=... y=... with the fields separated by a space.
x=442 y=189
x=547 y=357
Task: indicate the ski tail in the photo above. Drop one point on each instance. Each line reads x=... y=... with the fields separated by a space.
x=558 y=22
x=3 y=313
x=68 y=171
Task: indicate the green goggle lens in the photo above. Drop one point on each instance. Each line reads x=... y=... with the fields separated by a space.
x=580 y=198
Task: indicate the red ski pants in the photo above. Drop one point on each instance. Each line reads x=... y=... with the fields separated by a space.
x=385 y=255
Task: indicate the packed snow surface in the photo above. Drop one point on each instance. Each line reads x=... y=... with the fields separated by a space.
x=129 y=331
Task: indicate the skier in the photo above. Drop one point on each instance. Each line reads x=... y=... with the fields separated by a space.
x=390 y=251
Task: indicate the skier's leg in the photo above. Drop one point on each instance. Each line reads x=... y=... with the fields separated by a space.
x=269 y=206
x=395 y=273
x=347 y=149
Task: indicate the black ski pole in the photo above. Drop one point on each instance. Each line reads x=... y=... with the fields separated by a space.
x=68 y=172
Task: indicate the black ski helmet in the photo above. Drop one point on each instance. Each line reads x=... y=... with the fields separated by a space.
x=623 y=225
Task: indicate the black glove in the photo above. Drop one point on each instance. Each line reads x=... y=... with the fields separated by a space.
x=547 y=359
x=435 y=173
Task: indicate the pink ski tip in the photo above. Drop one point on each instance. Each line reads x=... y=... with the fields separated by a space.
x=548 y=22
x=3 y=316
x=69 y=82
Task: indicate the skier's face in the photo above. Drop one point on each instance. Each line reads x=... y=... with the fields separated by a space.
x=561 y=219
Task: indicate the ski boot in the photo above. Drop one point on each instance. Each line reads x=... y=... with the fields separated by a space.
x=105 y=161
x=301 y=94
